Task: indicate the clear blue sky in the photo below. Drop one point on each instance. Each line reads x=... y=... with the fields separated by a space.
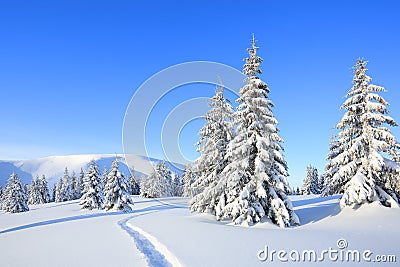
x=68 y=69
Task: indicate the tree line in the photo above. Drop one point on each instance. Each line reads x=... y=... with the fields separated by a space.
x=109 y=190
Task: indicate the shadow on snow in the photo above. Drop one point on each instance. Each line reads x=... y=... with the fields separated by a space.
x=146 y=210
x=302 y=202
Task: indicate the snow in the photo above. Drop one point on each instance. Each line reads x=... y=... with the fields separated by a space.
x=162 y=232
x=60 y=234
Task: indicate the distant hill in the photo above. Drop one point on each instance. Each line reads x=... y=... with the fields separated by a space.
x=53 y=167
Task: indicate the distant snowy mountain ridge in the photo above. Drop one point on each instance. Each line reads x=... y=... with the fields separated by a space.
x=53 y=167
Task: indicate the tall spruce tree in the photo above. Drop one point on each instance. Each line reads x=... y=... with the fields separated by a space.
x=116 y=190
x=92 y=194
x=357 y=166
x=253 y=185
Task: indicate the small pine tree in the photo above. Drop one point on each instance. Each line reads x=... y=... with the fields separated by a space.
x=105 y=175
x=158 y=183
x=44 y=190
x=165 y=174
x=59 y=192
x=25 y=188
x=75 y=190
x=335 y=148
x=134 y=185
x=1 y=197
x=321 y=184
x=54 y=192
x=16 y=199
x=144 y=185
x=189 y=177
x=92 y=195
x=310 y=183
x=67 y=187
x=177 y=185
x=116 y=190
x=79 y=185
x=35 y=196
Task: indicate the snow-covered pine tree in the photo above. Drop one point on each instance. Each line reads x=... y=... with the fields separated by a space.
x=165 y=174
x=310 y=183
x=358 y=167
x=105 y=175
x=189 y=177
x=145 y=184
x=321 y=184
x=35 y=196
x=92 y=194
x=134 y=186
x=253 y=184
x=75 y=187
x=38 y=191
x=67 y=187
x=2 y=199
x=26 y=188
x=116 y=190
x=215 y=136
x=79 y=185
x=176 y=185
x=44 y=190
x=53 y=196
x=156 y=186
x=158 y=183
x=335 y=148
x=16 y=198
x=59 y=193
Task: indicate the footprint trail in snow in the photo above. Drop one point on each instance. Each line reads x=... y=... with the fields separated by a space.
x=156 y=253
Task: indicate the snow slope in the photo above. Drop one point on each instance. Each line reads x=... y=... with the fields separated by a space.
x=53 y=167
x=162 y=232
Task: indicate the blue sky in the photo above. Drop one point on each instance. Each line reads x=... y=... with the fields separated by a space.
x=68 y=69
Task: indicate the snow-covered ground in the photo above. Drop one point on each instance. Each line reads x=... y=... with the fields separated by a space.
x=162 y=232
